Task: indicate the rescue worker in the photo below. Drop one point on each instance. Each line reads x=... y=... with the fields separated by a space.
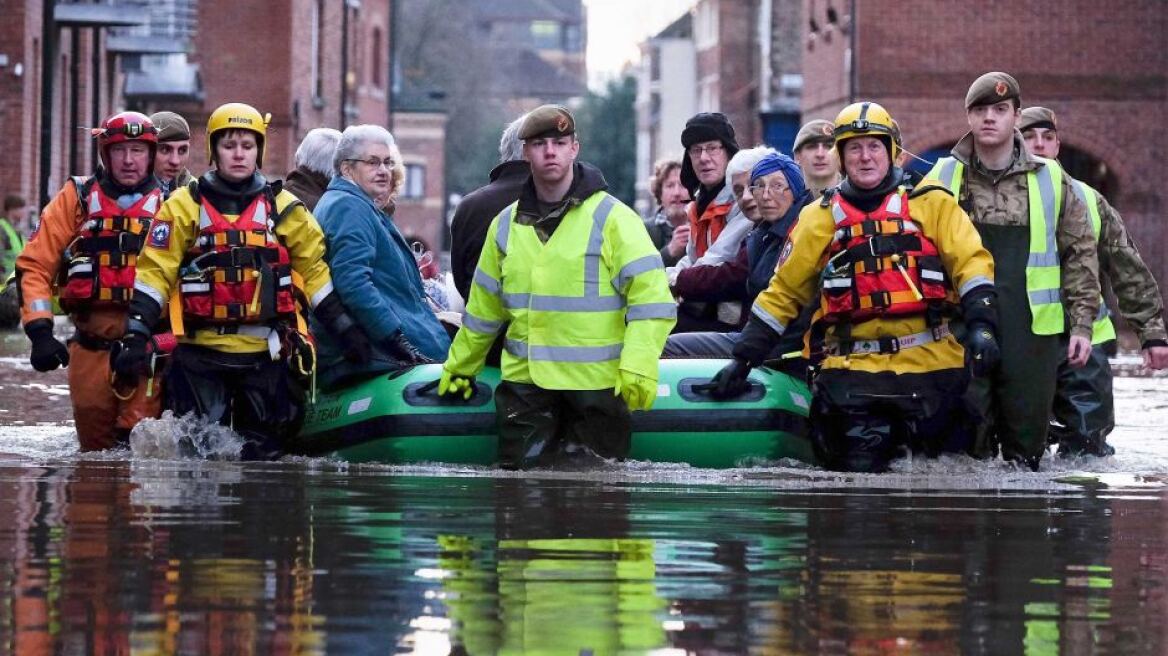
x=1084 y=406
x=174 y=151
x=812 y=150
x=573 y=274
x=885 y=262
x=12 y=232
x=1037 y=229
x=231 y=256
x=86 y=251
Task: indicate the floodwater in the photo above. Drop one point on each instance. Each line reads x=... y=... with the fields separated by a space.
x=146 y=552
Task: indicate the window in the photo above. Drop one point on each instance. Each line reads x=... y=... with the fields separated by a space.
x=572 y=40
x=317 y=51
x=415 y=186
x=545 y=35
x=375 y=70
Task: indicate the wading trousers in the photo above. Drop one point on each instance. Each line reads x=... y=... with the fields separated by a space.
x=535 y=424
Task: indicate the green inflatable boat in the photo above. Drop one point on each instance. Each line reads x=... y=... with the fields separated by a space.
x=399 y=418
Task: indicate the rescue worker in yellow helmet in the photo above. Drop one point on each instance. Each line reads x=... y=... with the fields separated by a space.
x=1045 y=258
x=85 y=252
x=575 y=278
x=1084 y=404
x=886 y=262
x=233 y=257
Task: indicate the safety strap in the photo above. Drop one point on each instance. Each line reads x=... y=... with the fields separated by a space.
x=886 y=345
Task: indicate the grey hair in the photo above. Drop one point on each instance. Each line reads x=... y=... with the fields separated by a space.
x=315 y=152
x=744 y=160
x=355 y=138
x=510 y=146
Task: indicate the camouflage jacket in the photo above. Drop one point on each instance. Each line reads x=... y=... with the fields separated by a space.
x=1136 y=293
x=1006 y=201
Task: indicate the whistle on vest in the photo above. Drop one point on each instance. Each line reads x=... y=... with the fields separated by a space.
x=897 y=260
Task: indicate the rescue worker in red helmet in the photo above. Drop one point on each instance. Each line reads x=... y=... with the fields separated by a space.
x=886 y=262
x=235 y=258
x=85 y=251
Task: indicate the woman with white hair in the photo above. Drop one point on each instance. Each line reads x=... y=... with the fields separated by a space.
x=314 y=166
x=373 y=267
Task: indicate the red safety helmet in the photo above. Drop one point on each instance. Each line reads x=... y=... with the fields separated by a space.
x=126 y=126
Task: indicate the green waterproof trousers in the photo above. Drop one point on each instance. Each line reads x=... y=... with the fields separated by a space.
x=1015 y=399
x=1084 y=406
x=536 y=426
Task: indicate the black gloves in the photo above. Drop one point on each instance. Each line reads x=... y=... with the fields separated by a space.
x=980 y=308
x=400 y=348
x=358 y=350
x=48 y=352
x=981 y=349
x=731 y=380
x=755 y=342
x=129 y=358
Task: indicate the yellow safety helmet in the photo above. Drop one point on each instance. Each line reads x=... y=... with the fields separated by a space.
x=238 y=116
x=866 y=119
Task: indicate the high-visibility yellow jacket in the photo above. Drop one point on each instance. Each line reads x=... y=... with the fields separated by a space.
x=1043 y=272
x=796 y=283
x=591 y=300
x=1103 y=329
x=158 y=265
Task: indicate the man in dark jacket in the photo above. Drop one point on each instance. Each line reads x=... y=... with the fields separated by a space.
x=473 y=216
x=314 y=166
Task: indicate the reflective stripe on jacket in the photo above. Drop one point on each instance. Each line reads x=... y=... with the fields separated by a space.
x=591 y=300
x=1043 y=272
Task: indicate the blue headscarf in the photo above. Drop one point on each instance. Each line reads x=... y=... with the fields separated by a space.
x=780 y=162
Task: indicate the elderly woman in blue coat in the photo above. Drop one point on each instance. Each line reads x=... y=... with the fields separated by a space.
x=373 y=268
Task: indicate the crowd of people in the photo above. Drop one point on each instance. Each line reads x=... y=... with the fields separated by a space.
x=955 y=312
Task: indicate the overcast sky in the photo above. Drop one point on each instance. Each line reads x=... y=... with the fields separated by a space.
x=615 y=27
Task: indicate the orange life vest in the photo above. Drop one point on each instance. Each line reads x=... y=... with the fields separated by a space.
x=880 y=264
x=237 y=273
x=99 y=265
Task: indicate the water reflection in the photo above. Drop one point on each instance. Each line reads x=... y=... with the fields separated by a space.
x=107 y=556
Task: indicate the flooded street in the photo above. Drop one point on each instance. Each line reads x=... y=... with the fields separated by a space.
x=126 y=552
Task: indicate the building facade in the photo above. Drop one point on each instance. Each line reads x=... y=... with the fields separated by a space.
x=1102 y=68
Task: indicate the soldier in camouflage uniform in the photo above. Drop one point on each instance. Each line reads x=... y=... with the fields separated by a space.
x=1046 y=271
x=1084 y=408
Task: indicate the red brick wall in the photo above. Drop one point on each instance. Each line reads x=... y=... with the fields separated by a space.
x=738 y=64
x=421 y=137
x=1101 y=66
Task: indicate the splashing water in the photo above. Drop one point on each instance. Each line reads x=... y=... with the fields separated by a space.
x=188 y=436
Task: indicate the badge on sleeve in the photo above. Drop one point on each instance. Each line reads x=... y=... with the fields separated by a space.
x=787 y=248
x=159 y=235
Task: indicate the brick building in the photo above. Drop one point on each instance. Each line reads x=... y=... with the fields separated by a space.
x=726 y=41
x=47 y=143
x=1102 y=67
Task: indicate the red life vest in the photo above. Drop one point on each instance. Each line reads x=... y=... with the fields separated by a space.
x=99 y=265
x=880 y=264
x=236 y=273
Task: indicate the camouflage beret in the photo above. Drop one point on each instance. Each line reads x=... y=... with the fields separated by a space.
x=993 y=88
x=171 y=126
x=813 y=132
x=1037 y=117
x=547 y=121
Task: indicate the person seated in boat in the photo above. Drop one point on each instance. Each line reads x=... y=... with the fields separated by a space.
x=771 y=193
x=887 y=263
x=720 y=285
x=234 y=259
x=573 y=275
x=373 y=266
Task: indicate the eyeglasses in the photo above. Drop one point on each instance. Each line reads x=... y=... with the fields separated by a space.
x=375 y=162
x=699 y=150
x=760 y=189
